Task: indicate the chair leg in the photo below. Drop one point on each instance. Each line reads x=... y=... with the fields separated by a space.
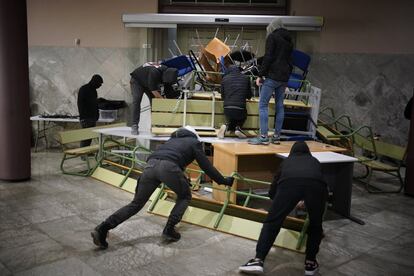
x=381 y=191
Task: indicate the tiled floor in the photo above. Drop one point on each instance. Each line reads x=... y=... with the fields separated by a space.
x=45 y=225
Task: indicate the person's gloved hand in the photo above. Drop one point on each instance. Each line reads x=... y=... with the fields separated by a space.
x=228 y=181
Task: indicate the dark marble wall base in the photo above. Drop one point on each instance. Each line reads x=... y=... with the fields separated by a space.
x=371 y=88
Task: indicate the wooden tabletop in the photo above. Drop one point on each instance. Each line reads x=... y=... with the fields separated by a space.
x=247 y=149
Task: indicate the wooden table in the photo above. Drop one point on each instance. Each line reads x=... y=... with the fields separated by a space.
x=261 y=162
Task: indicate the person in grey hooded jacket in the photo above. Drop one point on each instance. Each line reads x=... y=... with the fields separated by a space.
x=166 y=165
x=299 y=178
x=273 y=77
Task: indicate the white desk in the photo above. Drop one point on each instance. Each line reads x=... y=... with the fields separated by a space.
x=126 y=133
x=327 y=157
x=45 y=123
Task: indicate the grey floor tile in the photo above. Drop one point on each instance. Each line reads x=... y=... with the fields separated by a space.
x=17 y=237
x=47 y=212
x=66 y=267
x=11 y=219
x=4 y=271
x=368 y=265
x=28 y=256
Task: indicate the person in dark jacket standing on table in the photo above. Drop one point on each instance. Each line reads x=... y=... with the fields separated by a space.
x=165 y=165
x=235 y=89
x=273 y=77
x=147 y=79
x=88 y=105
x=299 y=178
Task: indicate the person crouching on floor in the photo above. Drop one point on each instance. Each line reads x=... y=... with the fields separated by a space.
x=165 y=165
x=235 y=89
x=299 y=178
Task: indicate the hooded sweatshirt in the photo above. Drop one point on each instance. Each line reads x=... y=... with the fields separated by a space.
x=182 y=148
x=88 y=99
x=235 y=88
x=300 y=165
x=277 y=61
x=149 y=77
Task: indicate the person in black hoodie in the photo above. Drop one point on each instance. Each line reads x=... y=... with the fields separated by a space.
x=165 y=165
x=273 y=77
x=88 y=105
x=147 y=79
x=235 y=89
x=299 y=178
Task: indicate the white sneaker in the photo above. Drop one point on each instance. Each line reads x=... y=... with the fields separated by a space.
x=239 y=133
x=221 y=132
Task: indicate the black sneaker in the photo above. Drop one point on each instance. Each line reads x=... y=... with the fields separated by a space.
x=254 y=266
x=99 y=238
x=275 y=139
x=311 y=267
x=170 y=235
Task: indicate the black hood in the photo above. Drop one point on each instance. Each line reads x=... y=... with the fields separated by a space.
x=283 y=33
x=232 y=69
x=182 y=132
x=96 y=81
x=299 y=148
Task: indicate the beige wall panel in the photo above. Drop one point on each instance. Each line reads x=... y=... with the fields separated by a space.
x=354 y=26
x=97 y=23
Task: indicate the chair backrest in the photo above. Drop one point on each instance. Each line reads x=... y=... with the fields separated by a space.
x=77 y=135
x=390 y=150
x=300 y=60
x=381 y=148
x=181 y=63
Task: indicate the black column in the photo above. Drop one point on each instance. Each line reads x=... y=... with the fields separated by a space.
x=14 y=92
x=409 y=172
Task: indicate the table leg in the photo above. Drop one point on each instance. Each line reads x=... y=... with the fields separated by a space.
x=339 y=178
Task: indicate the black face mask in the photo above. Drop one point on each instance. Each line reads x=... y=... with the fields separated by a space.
x=96 y=81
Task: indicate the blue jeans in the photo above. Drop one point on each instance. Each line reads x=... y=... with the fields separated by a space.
x=268 y=88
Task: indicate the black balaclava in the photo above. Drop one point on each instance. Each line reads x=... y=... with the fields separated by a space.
x=96 y=81
x=170 y=75
x=299 y=148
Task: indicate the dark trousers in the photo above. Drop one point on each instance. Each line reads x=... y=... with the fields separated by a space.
x=86 y=124
x=155 y=172
x=138 y=91
x=235 y=117
x=288 y=194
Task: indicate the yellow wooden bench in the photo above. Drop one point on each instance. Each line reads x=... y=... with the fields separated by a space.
x=70 y=137
x=376 y=155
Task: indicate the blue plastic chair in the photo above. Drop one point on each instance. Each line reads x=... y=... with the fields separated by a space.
x=300 y=60
x=182 y=63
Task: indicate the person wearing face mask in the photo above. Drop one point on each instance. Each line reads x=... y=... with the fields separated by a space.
x=165 y=165
x=148 y=79
x=88 y=105
x=299 y=178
